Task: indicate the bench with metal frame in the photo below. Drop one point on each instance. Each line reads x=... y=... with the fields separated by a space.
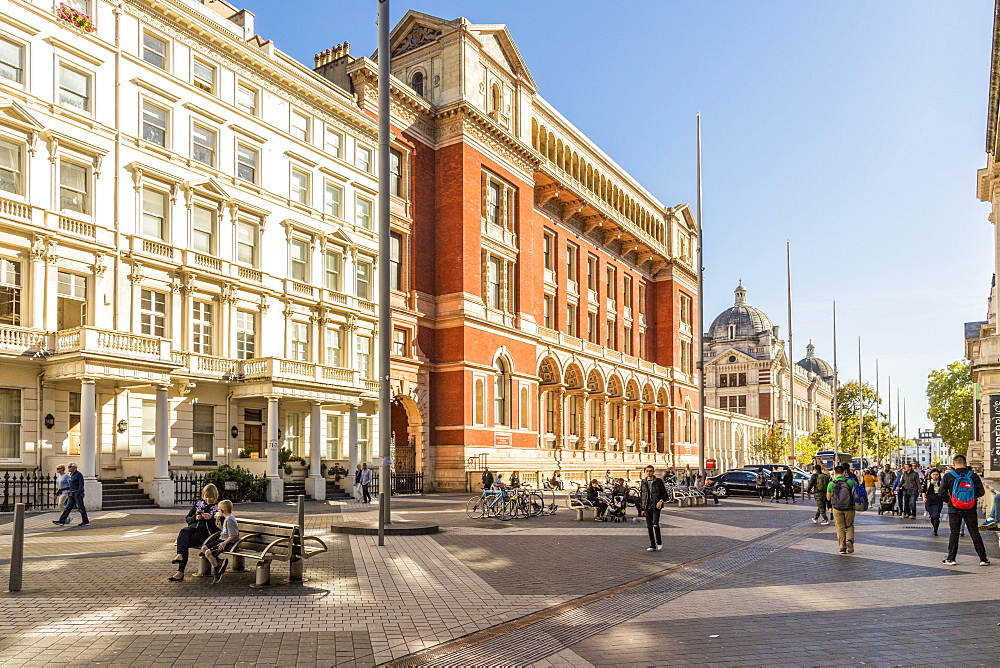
x=577 y=502
x=264 y=542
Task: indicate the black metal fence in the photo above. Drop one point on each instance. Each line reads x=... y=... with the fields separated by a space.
x=36 y=491
x=402 y=483
x=188 y=486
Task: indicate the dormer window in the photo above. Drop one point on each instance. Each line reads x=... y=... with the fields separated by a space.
x=732 y=331
x=417 y=83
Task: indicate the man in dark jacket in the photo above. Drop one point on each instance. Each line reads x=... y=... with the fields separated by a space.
x=487 y=478
x=957 y=515
x=75 y=498
x=652 y=494
x=910 y=484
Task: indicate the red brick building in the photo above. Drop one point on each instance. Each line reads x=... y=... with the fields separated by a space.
x=544 y=301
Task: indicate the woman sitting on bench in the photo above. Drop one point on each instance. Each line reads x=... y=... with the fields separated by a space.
x=596 y=500
x=200 y=524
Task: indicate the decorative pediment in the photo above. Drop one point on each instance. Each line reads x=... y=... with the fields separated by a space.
x=497 y=42
x=725 y=356
x=14 y=114
x=414 y=38
x=208 y=187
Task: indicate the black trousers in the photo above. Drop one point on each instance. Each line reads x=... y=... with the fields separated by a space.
x=187 y=538
x=653 y=526
x=971 y=518
x=365 y=494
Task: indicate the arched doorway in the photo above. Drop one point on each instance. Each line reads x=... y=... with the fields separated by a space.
x=404 y=438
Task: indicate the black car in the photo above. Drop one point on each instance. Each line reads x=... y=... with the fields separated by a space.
x=744 y=481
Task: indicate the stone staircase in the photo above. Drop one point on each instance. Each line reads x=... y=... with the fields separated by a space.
x=119 y=494
x=295 y=487
x=335 y=493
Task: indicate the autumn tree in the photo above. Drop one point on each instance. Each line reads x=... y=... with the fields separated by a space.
x=771 y=447
x=950 y=396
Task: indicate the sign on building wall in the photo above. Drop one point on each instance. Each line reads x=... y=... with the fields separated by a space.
x=994 y=432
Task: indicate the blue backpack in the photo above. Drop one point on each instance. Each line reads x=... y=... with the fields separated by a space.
x=963 y=491
x=860 y=498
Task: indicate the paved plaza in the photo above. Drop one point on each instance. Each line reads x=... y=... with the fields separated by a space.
x=743 y=583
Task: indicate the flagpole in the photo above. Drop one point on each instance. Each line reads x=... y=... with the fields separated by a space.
x=878 y=435
x=701 y=317
x=892 y=439
x=836 y=385
x=861 y=407
x=791 y=359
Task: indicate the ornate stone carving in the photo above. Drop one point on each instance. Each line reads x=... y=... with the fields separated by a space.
x=262 y=305
x=590 y=223
x=572 y=208
x=136 y=274
x=98 y=267
x=416 y=38
x=352 y=323
x=228 y=295
x=545 y=193
x=37 y=251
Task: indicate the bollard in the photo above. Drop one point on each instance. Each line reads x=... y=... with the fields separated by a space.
x=17 y=549
x=296 y=565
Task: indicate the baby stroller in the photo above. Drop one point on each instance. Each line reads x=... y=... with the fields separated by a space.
x=616 y=509
x=886 y=502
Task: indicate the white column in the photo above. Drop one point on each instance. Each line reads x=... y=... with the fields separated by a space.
x=162 y=487
x=316 y=484
x=352 y=445
x=275 y=485
x=88 y=429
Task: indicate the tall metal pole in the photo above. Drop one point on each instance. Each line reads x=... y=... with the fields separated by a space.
x=861 y=407
x=878 y=400
x=836 y=385
x=899 y=422
x=384 y=311
x=892 y=439
x=791 y=358
x=701 y=319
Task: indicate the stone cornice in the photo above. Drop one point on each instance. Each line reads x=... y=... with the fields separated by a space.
x=463 y=119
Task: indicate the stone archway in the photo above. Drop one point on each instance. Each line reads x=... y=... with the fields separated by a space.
x=406 y=429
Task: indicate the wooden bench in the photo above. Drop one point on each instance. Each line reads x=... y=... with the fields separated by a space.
x=264 y=542
x=578 y=503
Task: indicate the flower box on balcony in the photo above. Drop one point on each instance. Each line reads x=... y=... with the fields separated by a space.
x=76 y=18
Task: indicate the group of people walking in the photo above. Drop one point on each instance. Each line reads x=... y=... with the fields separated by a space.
x=776 y=485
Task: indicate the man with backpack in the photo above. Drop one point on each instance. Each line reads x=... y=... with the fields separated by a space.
x=961 y=488
x=840 y=492
x=818 y=484
x=761 y=484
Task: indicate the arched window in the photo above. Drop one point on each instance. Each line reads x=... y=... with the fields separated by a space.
x=501 y=383
x=732 y=331
x=417 y=83
x=480 y=402
x=495 y=99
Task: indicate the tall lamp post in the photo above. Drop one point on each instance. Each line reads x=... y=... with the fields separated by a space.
x=384 y=304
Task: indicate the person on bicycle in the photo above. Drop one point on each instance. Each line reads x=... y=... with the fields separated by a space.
x=596 y=500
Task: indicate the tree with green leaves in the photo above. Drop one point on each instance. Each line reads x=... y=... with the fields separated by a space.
x=852 y=399
x=950 y=396
x=771 y=447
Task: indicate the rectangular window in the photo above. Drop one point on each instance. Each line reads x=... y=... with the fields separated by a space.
x=10 y=292
x=736 y=404
x=10 y=423
x=11 y=171
x=74 y=88
x=300 y=341
x=572 y=266
x=300 y=186
x=612 y=335
x=395 y=261
x=246 y=163
x=152 y=313
x=548 y=311
x=246 y=335
x=548 y=251
x=300 y=260
x=74 y=187
x=395 y=172
x=334 y=268
x=148 y=427
x=494 y=291
x=642 y=299
x=154 y=214
x=493 y=192
x=363 y=159
x=642 y=344
x=592 y=327
x=201 y=322
x=203 y=142
x=154 y=124
x=363 y=284
x=246 y=243
x=627 y=294
x=685 y=309
x=685 y=361
x=364 y=355
x=333 y=347
x=293 y=433
x=298 y=126
x=203 y=432
x=627 y=341
x=571 y=319
x=400 y=342
x=364 y=439
x=612 y=285
x=203 y=76
x=333 y=143
x=11 y=61
x=363 y=213
x=333 y=196
x=154 y=50
x=203 y=229
x=592 y=273
x=334 y=442
x=71 y=306
x=246 y=98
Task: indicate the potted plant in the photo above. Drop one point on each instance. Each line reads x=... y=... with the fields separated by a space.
x=76 y=18
x=337 y=472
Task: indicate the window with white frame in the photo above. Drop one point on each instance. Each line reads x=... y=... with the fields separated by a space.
x=10 y=292
x=364 y=439
x=203 y=144
x=591 y=273
x=201 y=327
x=300 y=260
x=572 y=325
x=572 y=266
x=300 y=341
x=154 y=124
x=494 y=286
x=627 y=340
x=74 y=187
x=299 y=186
x=246 y=335
x=10 y=423
x=395 y=172
x=333 y=347
x=11 y=60
x=246 y=243
x=154 y=213
x=293 y=433
x=363 y=158
x=363 y=284
x=395 y=261
x=498 y=202
x=501 y=394
x=152 y=313
x=612 y=283
x=247 y=159
x=246 y=98
x=333 y=270
x=493 y=203
x=548 y=311
x=11 y=169
x=334 y=442
x=548 y=250
x=363 y=213
x=74 y=88
x=364 y=356
x=202 y=432
x=549 y=402
x=154 y=50
x=203 y=76
x=400 y=342
x=333 y=143
x=333 y=197
x=71 y=305
x=148 y=442
x=203 y=229
x=298 y=125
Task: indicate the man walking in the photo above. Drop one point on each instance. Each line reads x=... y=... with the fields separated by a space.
x=366 y=482
x=761 y=484
x=652 y=494
x=840 y=492
x=488 y=479
x=910 y=485
x=818 y=484
x=960 y=489
x=75 y=498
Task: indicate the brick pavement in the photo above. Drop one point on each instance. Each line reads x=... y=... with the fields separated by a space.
x=104 y=589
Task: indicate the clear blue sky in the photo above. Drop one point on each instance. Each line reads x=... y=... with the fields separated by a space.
x=851 y=129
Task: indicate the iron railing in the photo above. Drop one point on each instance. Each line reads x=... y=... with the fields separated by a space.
x=188 y=486
x=36 y=491
x=402 y=483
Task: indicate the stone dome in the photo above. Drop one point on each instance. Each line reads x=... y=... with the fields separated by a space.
x=818 y=366
x=749 y=321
